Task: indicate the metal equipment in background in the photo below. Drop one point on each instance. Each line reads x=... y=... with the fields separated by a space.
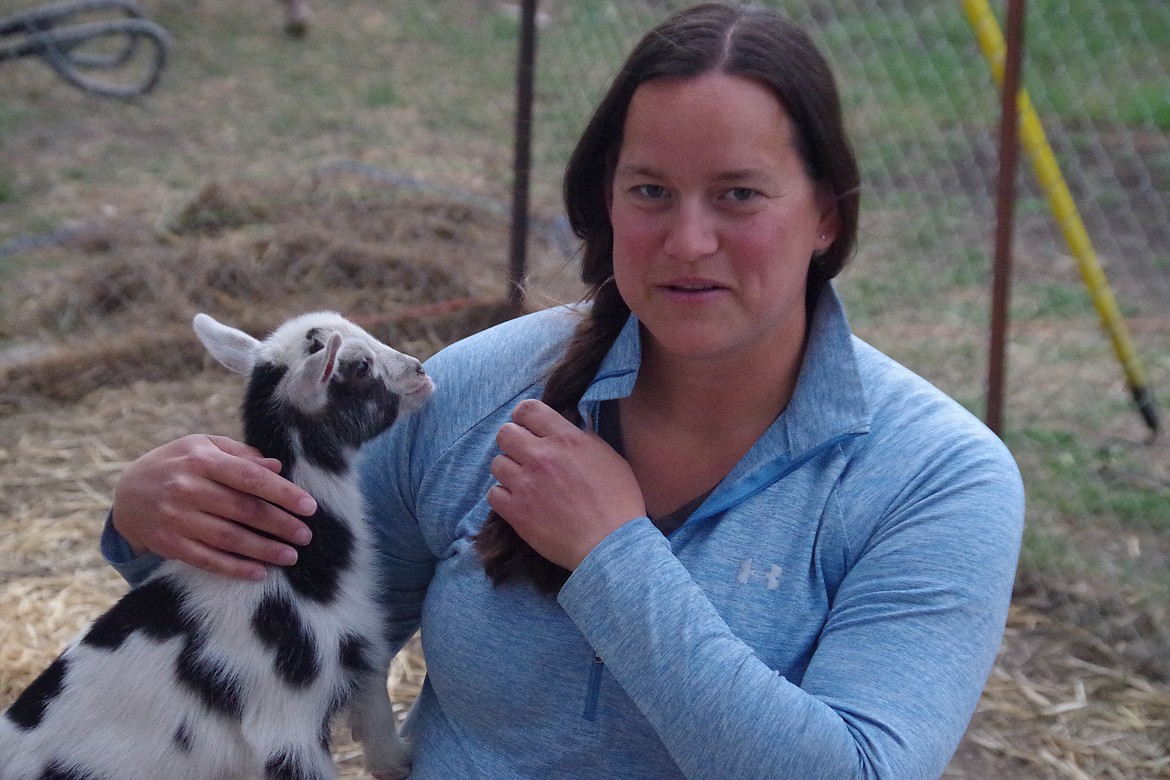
x=103 y=47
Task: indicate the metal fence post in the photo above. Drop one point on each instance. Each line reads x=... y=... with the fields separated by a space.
x=1005 y=203
x=522 y=156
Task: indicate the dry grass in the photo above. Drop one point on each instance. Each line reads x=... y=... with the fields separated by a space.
x=1078 y=691
x=1048 y=711
x=253 y=255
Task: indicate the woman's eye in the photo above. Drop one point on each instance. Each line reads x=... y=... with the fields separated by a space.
x=741 y=194
x=650 y=191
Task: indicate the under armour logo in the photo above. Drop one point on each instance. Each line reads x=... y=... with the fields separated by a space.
x=747 y=573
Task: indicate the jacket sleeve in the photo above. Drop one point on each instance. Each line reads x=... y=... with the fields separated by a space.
x=474 y=378
x=899 y=666
x=116 y=550
x=406 y=563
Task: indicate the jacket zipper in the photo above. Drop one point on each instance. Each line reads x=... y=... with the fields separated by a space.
x=593 y=691
x=767 y=476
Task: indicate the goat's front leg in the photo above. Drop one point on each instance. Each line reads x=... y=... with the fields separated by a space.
x=387 y=753
x=284 y=733
x=305 y=760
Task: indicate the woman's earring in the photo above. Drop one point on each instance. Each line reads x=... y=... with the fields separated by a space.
x=821 y=252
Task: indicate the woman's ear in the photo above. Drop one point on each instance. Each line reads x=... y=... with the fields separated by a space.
x=830 y=223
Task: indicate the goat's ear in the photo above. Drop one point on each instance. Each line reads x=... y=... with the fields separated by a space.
x=236 y=350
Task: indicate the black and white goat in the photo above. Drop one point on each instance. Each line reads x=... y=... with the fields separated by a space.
x=193 y=676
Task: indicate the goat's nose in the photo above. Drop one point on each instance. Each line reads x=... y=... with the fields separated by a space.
x=409 y=368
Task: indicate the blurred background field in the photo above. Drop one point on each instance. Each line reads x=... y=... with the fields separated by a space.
x=367 y=167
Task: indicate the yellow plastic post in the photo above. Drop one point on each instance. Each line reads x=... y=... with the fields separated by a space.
x=991 y=42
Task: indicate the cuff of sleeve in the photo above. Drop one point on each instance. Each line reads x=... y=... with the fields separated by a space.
x=633 y=551
x=117 y=552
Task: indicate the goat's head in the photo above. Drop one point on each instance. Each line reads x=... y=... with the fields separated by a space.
x=321 y=372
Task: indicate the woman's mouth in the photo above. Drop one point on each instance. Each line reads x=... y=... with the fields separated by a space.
x=691 y=287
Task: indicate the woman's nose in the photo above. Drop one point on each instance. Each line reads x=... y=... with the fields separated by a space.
x=691 y=233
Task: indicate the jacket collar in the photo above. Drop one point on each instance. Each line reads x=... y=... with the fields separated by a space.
x=828 y=403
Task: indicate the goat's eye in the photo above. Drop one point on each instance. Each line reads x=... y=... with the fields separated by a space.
x=362 y=368
x=315 y=345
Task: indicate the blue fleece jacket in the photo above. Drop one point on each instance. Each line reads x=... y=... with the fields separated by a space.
x=832 y=610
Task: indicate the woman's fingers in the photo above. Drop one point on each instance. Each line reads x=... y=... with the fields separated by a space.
x=214 y=503
x=247 y=471
x=211 y=559
x=540 y=419
x=562 y=489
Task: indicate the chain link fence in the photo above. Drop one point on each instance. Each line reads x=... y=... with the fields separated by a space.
x=923 y=111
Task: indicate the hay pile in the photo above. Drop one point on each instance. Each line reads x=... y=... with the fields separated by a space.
x=1062 y=703
x=111 y=302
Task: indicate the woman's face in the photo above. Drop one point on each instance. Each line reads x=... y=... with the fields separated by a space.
x=715 y=219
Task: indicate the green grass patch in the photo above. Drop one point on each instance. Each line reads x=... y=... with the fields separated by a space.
x=1048 y=557
x=381 y=94
x=1088 y=484
x=1050 y=300
x=1147 y=104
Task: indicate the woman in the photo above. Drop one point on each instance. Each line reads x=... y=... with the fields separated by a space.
x=798 y=566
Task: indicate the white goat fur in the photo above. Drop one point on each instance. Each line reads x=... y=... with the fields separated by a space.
x=231 y=679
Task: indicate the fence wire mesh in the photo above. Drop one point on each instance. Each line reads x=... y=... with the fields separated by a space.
x=923 y=111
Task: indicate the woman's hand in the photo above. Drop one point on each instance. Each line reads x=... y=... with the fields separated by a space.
x=561 y=488
x=202 y=499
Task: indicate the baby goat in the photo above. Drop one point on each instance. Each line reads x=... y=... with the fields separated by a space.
x=193 y=676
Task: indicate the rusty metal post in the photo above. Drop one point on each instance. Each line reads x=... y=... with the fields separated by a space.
x=1005 y=203
x=522 y=156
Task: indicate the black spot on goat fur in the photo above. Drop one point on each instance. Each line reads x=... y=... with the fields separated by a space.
x=155 y=608
x=358 y=410
x=265 y=425
x=285 y=766
x=317 y=572
x=354 y=654
x=184 y=739
x=218 y=689
x=28 y=710
x=294 y=646
x=58 y=771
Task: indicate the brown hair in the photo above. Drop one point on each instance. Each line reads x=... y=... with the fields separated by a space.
x=753 y=42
